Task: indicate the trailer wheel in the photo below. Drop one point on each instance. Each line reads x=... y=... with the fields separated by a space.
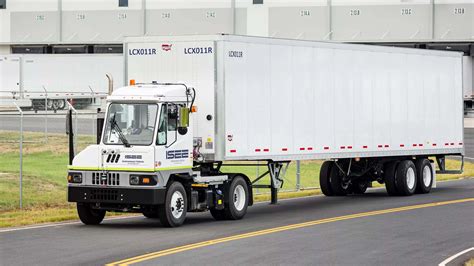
x=238 y=193
x=359 y=187
x=337 y=185
x=424 y=172
x=89 y=216
x=390 y=170
x=405 y=178
x=324 y=178
x=173 y=212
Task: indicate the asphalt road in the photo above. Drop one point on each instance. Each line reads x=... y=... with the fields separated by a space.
x=423 y=236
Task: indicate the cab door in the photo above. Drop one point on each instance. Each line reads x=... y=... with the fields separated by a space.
x=174 y=144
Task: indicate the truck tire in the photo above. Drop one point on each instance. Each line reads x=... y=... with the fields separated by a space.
x=238 y=193
x=150 y=214
x=89 y=216
x=173 y=212
x=390 y=170
x=335 y=181
x=359 y=187
x=424 y=172
x=324 y=178
x=218 y=215
x=405 y=178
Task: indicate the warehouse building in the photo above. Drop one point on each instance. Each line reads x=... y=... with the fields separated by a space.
x=99 y=26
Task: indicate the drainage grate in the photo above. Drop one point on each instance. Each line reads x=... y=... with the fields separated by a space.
x=111 y=179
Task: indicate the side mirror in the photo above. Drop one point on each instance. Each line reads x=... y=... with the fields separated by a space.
x=183 y=122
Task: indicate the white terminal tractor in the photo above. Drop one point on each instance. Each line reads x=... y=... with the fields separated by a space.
x=199 y=105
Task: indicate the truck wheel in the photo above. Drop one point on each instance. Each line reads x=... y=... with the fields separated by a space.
x=218 y=215
x=335 y=180
x=238 y=194
x=390 y=170
x=324 y=178
x=173 y=212
x=424 y=172
x=359 y=187
x=88 y=215
x=150 y=214
x=60 y=104
x=405 y=178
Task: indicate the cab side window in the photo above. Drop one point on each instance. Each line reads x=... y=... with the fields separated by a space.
x=162 y=126
x=172 y=117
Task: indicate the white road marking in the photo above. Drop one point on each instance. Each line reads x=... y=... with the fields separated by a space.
x=448 y=260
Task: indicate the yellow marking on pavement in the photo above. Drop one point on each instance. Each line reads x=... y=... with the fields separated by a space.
x=179 y=249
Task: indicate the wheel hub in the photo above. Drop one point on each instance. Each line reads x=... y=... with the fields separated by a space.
x=239 y=197
x=177 y=204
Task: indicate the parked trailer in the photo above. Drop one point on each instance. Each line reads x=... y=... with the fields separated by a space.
x=201 y=102
x=53 y=79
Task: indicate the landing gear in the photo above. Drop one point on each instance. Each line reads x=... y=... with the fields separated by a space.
x=88 y=215
x=173 y=212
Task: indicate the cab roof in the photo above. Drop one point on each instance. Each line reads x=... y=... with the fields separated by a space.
x=149 y=92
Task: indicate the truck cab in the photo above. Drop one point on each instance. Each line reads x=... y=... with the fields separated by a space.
x=145 y=162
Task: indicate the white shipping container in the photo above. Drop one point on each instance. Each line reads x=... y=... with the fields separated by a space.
x=262 y=98
x=70 y=75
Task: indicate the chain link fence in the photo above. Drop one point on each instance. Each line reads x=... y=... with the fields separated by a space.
x=34 y=145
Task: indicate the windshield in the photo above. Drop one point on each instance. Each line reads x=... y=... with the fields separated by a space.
x=130 y=124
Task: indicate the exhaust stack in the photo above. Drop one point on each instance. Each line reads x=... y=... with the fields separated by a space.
x=111 y=83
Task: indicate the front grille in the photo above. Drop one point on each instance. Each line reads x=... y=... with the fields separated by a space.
x=111 y=179
x=104 y=194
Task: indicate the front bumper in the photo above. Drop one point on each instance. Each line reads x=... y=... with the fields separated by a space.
x=134 y=196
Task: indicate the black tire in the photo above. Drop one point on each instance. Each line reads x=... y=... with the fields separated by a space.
x=335 y=181
x=324 y=178
x=424 y=172
x=405 y=178
x=218 y=215
x=178 y=206
x=390 y=170
x=232 y=209
x=151 y=214
x=88 y=215
x=359 y=187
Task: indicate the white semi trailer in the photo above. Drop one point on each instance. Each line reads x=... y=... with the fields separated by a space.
x=197 y=103
x=51 y=79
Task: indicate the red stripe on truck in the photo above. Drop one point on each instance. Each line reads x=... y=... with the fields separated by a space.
x=434 y=144
x=266 y=150
x=310 y=148
x=233 y=151
x=343 y=147
x=284 y=149
x=365 y=147
x=258 y=150
x=326 y=148
x=302 y=149
x=402 y=145
x=380 y=146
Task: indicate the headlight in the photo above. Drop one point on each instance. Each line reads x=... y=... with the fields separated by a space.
x=74 y=178
x=143 y=180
